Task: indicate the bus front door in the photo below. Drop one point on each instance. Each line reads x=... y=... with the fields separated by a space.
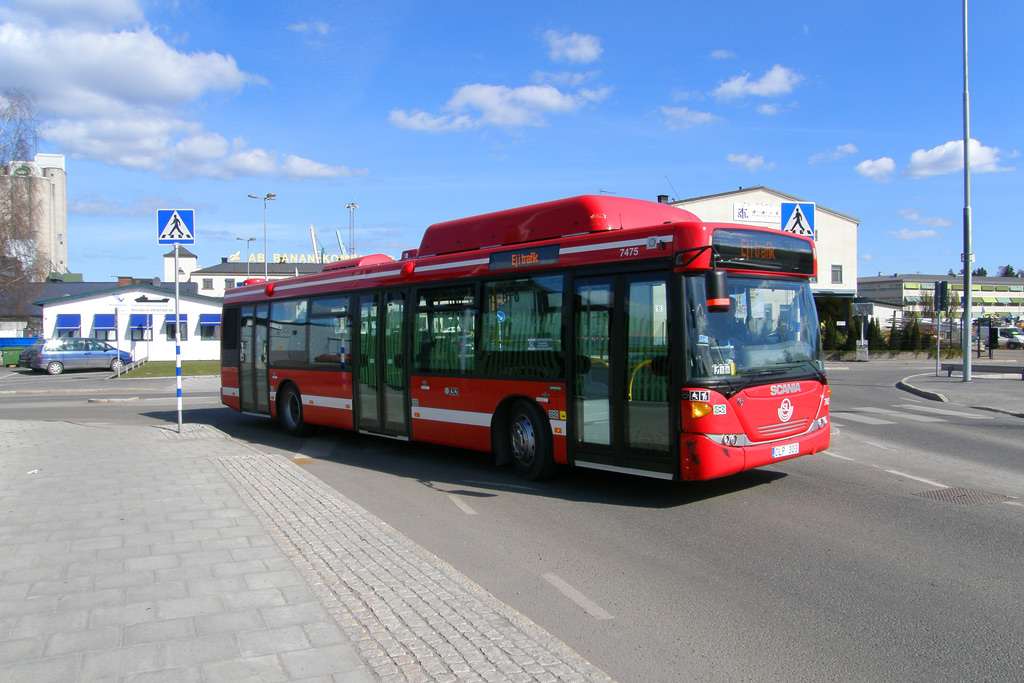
x=380 y=366
x=621 y=408
x=253 y=390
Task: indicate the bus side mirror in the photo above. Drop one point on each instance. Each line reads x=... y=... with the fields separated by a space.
x=716 y=284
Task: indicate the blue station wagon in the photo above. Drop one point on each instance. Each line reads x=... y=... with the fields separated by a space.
x=73 y=353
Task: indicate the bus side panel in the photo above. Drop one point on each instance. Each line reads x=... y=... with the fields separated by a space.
x=457 y=411
x=326 y=396
x=229 y=388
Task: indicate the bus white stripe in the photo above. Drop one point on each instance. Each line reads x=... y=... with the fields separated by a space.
x=452 y=266
x=464 y=417
x=613 y=245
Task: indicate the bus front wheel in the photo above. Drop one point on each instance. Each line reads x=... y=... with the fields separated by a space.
x=289 y=411
x=529 y=441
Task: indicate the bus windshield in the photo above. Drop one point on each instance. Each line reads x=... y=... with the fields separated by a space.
x=770 y=329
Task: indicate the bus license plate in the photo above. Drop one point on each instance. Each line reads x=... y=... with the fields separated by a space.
x=783 y=451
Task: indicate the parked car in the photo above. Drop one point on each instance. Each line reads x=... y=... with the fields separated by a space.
x=73 y=353
x=26 y=353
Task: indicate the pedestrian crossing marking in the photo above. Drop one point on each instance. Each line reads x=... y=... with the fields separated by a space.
x=943 y=411
x=908 y=416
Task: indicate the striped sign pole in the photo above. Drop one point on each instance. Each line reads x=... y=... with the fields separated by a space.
x=177 y=333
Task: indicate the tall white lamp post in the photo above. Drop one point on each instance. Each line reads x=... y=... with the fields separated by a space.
x=247 y=242
x=270 y=196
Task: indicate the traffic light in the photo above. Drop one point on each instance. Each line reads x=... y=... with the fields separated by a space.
x=941 y=296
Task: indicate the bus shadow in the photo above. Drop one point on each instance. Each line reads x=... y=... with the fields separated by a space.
x=455 y=471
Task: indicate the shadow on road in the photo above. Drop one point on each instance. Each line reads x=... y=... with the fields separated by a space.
x=463 y=472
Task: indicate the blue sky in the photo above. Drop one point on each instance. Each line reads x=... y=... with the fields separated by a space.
x=427 y=111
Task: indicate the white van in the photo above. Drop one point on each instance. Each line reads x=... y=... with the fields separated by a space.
x=1011 y=338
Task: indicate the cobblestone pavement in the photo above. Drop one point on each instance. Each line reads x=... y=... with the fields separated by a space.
x=136 y=553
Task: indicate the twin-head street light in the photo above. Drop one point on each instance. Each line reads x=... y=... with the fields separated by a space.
x=270 y=196
x=247 y=242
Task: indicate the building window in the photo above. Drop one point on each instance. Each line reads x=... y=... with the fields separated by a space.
x=182 y=331
x=229 y=283
x=208 y=332
x=142 y=334
x=207 y=283
x=837 y=274
x=106 y=335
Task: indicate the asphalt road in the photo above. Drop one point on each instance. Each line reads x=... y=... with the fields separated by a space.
x=854 y=564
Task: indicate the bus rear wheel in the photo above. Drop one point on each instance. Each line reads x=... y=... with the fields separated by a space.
x=529 y=441
x=289 y=412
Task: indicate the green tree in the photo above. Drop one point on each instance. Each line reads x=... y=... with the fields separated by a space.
x=980 y=271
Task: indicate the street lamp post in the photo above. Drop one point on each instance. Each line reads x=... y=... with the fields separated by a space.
x=247 y=241
x=270 y=196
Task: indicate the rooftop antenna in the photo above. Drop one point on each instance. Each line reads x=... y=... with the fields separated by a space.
x=673 y=187
x=352 y=206
x=607 y=192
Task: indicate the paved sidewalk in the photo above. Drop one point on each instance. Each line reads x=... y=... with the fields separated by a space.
x=137 y=554
x=1001 y=392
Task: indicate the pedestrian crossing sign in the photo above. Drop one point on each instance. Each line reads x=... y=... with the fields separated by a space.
x=798 y=218
x=176 y=226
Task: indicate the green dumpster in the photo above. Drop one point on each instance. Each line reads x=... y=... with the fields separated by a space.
x=11 y=353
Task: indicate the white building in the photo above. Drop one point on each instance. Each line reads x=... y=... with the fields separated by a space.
x=215 y=280
x=139 y=319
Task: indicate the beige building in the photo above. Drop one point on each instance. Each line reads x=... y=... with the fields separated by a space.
x=835 y=236
x=38 y=189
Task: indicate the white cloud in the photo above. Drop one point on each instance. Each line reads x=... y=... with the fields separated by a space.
x=833 y=154
x=577 y=47
x=906 y=234
x=880 y=170
x=723 y=54
x=428 y=123
x=319 y=27
x=930 y=221
x=752 y=164
x=298 y=168
x=118 y=95
x=949 y=158
x=81 y=13
x=564 y=79
x=777 y=81
x=677 y=118
x=498 y=105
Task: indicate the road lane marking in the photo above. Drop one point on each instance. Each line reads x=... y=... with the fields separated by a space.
x=920 y=479
x=841 y=457
x=908 y=416
x=944 y=411
x=581 y=600
x=461 y=504
x=865 y=419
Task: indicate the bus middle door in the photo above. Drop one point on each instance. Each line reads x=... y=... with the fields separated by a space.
x=621 y=408
x=380 y=365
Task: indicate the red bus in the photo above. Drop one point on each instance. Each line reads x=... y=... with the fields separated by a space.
x=602 y=332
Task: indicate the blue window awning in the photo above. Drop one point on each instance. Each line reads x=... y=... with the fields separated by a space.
x=209 y=319
x=69 y=321
x=141 y=321
x=104 y=321
x=170 y=319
